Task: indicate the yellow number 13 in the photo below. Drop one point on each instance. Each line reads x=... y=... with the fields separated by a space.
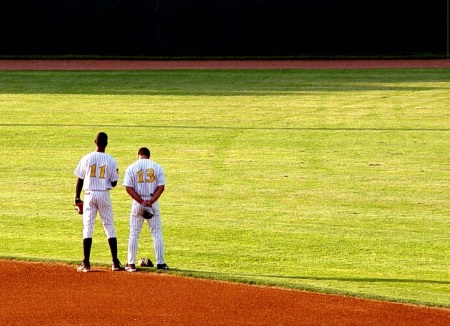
x=149 y=176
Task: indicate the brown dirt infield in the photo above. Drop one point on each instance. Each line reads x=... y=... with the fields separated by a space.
x=55 y=294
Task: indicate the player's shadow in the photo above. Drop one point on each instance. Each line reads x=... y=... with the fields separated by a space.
x=313 y=278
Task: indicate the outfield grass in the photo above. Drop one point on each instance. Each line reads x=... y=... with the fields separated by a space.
x=334 y=180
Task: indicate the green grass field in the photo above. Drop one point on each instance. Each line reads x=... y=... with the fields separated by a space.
x=334 y=180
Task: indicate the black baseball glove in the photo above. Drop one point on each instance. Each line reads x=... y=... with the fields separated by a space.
x=148 y=213
x=145 y=262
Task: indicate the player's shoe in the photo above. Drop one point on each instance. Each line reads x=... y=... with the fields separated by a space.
x=130 y=267
x=116 y=266
x=84 y=267
x=162 y=266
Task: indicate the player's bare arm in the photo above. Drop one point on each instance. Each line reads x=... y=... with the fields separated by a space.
x=78 y=189
x=134 y=194
x=114 y=183
x=155 y=196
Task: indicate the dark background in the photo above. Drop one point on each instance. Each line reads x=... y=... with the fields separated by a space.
x=224 y=28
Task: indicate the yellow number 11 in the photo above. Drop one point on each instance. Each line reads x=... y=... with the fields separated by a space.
x=94 y=171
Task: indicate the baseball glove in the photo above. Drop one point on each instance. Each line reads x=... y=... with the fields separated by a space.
x=145 y=262
x=148 y=213
x=78 y=206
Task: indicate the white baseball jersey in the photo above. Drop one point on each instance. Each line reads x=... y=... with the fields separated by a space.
x=98 y=170
x=144 y=176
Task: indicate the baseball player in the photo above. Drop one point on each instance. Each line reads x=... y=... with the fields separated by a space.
x=97 y=173
x=144 y=181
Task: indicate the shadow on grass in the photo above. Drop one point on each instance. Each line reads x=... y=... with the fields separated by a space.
x=197 y=273
x=219 y=83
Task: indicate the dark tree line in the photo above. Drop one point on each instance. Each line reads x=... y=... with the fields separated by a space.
x=223 y=27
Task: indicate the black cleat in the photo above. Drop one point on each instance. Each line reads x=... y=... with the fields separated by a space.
x=116 y=266
x=130 y=267
x=162 y=266
x=84 y=268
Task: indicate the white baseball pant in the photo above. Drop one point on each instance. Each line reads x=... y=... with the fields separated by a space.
x=155 y=228
x=98 y=201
